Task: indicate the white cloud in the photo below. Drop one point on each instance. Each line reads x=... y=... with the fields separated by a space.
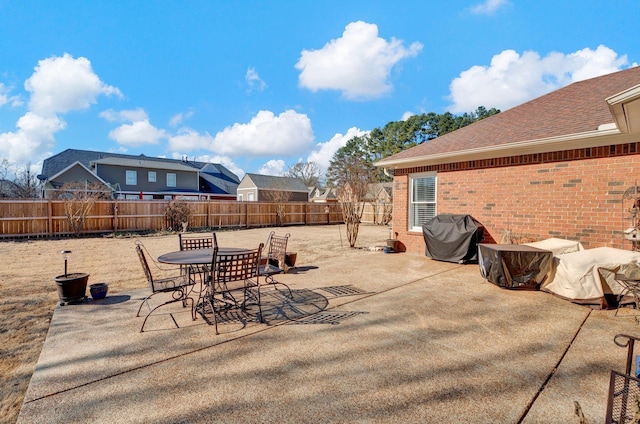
x=512 y=79
x=407 y=115
x=62 y=84
x=124 y=115
x=323 y=153
x=137 y=133
x=358 y=63
x=488 y=7
x=34 y=134
x=254 y=81
x=4 y=94
x=266 y=134
x=57 y=85
x=188 y=139
x=179 y=118
x=275 y=167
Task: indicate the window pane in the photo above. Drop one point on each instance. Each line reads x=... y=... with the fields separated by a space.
x=422 y=203
x=152 y=176
x=424 y=189
x=132 y=177
x=422 y=212
x=171 y=180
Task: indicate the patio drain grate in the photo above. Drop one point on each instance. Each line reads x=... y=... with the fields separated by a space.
x=347 y=290
x=333 y=318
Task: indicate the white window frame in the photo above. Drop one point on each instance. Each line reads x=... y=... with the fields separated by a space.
x=417 y=226
x=131 y=177
x=151 y=177
x=250 y=196
x=172 y=179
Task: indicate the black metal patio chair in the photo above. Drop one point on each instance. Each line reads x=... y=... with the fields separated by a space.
x=178 y=286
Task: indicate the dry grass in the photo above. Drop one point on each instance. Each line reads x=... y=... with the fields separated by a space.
x=28 y=294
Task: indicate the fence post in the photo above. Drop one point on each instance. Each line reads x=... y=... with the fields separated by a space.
x=50 y=217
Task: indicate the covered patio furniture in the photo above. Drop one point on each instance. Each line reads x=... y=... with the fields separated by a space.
x=587 y=277
x=178 y=287
x=515 y=266
x=229 y=273
x=452 y=238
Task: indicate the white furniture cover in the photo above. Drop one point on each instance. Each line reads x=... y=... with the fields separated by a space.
x=586 y=276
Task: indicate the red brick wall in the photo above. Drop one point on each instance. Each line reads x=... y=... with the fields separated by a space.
x=573 y=194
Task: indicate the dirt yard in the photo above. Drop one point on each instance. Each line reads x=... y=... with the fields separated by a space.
x=28 y=293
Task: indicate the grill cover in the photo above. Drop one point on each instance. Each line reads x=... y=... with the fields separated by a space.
x=452 y=238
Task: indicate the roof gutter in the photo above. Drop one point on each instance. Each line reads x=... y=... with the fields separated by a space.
x=606 y=135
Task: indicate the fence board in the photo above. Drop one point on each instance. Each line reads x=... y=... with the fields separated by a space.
x=46 y=218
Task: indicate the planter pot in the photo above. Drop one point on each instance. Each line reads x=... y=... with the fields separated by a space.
x=393 y=244
x=98 y=290
x=290 y=258
x=72 y=288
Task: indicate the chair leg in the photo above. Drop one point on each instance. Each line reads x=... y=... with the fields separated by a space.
x=167 y=303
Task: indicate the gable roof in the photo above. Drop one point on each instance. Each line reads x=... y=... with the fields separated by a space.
x=55 y=164
x=590 y=113
x=270 y=182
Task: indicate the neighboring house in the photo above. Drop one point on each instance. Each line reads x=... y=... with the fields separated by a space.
x=267 y=188
x=139 y=177
x=8 y=189
x=322 y=195
x=380 y=193
x=556 y=166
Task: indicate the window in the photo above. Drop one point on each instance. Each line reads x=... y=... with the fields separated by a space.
x=239 y=197
x=422 y=200
x=171 y=180
x=132 y=177
x=250 y=195
x=152 y=176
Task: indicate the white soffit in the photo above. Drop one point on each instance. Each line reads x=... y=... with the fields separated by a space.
x=625 y=108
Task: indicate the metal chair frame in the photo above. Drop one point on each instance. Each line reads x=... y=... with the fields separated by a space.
x=629 y=287
x=277 y=250
x=196 y=241
x=229 y=273
x=179 y=286
x=623 y=400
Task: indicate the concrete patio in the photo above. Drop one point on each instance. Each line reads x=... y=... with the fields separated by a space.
x=367 y=337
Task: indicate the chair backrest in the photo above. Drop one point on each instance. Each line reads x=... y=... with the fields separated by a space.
x=145 y=265
x=235 y=267
x=196 y=241
x=278 y=247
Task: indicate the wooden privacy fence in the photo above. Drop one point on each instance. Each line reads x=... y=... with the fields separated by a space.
x=46 y=218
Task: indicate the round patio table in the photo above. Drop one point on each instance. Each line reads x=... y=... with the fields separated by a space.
x=197 y=256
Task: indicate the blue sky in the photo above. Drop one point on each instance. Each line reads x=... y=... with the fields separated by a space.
x=259 y=85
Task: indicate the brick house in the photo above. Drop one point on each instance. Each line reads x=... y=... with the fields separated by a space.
x=556 y=166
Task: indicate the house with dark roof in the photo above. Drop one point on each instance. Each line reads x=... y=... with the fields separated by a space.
x=139 y=177
x=322 y=195
x=561 y=165
x=269 y=188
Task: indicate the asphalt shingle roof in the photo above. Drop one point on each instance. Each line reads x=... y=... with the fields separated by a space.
x=577 y=108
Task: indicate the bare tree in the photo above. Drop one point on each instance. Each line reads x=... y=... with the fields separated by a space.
x=351 y=172
x=178 y=213
x=78 y=199
x=309 y=172
x=279 y=194
x=26 y=184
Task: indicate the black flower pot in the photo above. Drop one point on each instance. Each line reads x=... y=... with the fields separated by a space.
x=72 y=288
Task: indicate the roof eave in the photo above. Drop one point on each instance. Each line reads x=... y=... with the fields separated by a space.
x=603 y=137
